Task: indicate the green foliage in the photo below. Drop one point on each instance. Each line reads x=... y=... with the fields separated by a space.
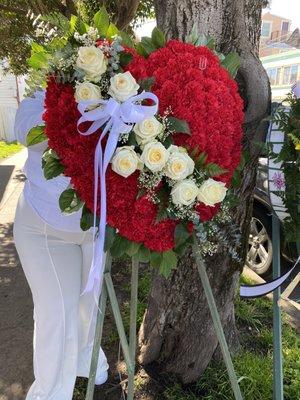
x=232 y=63
x=8 y=149
x=69 y=201
x=178 y=125
x=253 y=363
x=87 y=219
x=101 y=21
x=213 y=170
x=51 y=164
x=19 y=20
x=36 y=135
x=168 y=263
x=158 y=38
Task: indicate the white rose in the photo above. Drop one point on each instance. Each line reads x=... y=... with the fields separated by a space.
x=184 y=192
x=125 y=161
x=179 y=165
x=212 y=192
x=155 y=156
x=123 y=86
x=147 y=130
x=92 y=61
x=87 y=91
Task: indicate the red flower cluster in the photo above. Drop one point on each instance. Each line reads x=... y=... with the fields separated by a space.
x=188 y=79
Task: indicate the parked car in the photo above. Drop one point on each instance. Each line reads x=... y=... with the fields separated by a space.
x=260 y=250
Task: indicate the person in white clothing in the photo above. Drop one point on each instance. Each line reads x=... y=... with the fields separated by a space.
x=56 y=256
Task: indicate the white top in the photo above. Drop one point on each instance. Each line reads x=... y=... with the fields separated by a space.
x=41 y=194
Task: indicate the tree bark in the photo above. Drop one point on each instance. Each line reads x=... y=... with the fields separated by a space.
x=177 y=331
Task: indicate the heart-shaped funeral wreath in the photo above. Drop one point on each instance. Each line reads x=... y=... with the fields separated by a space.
x=149 y=133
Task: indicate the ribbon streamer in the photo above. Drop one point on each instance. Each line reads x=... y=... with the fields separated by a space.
x=117 y=119
x=265 y=288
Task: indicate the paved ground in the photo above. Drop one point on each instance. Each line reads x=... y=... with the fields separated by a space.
x=15 y=298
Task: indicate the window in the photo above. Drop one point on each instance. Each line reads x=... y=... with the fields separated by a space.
x=290 y=74
x=266 y=28
x=274 y=75
x=294 y=74
x=285 y=26
x=286 y=75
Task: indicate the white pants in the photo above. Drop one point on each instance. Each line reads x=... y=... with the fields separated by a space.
x=56 y=265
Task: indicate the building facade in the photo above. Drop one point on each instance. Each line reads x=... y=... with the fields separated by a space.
x=275 y=33
x=283 y=70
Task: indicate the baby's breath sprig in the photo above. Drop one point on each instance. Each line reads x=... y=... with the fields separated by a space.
x=149 y=180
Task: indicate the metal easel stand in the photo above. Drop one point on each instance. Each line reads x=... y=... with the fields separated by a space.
x=217 y=323
x=277 y=339
x=129 y=349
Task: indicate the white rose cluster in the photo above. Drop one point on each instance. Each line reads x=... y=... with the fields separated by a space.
x=125 y=161
x=147 y=130
x=87 y=91
x=212 y=192
x=92 y=61
x=123 y=86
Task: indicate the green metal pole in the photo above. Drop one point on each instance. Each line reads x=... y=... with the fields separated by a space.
x=98 y=334
x=277 y=342
x=119 y=322
x=133 y=317
x=217 y=323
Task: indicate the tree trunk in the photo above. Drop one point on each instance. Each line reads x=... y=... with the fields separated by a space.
x=177 y=331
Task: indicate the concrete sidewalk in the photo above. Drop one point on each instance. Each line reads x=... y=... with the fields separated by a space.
x=16 y=326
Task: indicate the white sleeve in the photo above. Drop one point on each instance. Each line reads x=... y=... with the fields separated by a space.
x=29 y=115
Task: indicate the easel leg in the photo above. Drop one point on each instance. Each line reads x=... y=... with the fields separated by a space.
x=277 y=343
x=133 y=317
x=98 y=334
x=217 y=323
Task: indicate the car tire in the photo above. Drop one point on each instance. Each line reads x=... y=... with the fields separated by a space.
x=260 y=248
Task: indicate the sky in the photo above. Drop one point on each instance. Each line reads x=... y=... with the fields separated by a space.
x=289 y=9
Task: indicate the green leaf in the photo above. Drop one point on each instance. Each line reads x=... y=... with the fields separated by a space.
x=193 y=36
x=51 y=165
x=87 y=219
x=125 y=58
x=126 y=39
x=210 y=42
x=119 y=247
x=213 y=169
x=80 y=26
x=178 y=125
x=73 y=21
x=143 y=254
x=101 y=21
x=133 y=248
x=158 y=38
x=156 y=259
x=141 y=193
x=141 y=50
x=69 y=202
x=131 y=139
x=112 y=31
x=110 y=234
x=168 y=141
x=36 y=135
x=148 y=45
x=145 y=84
x=201 y=160
x=169 y=262
x=37 y=48
x=38 y=60
x=181 y=234
x=232 y=63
